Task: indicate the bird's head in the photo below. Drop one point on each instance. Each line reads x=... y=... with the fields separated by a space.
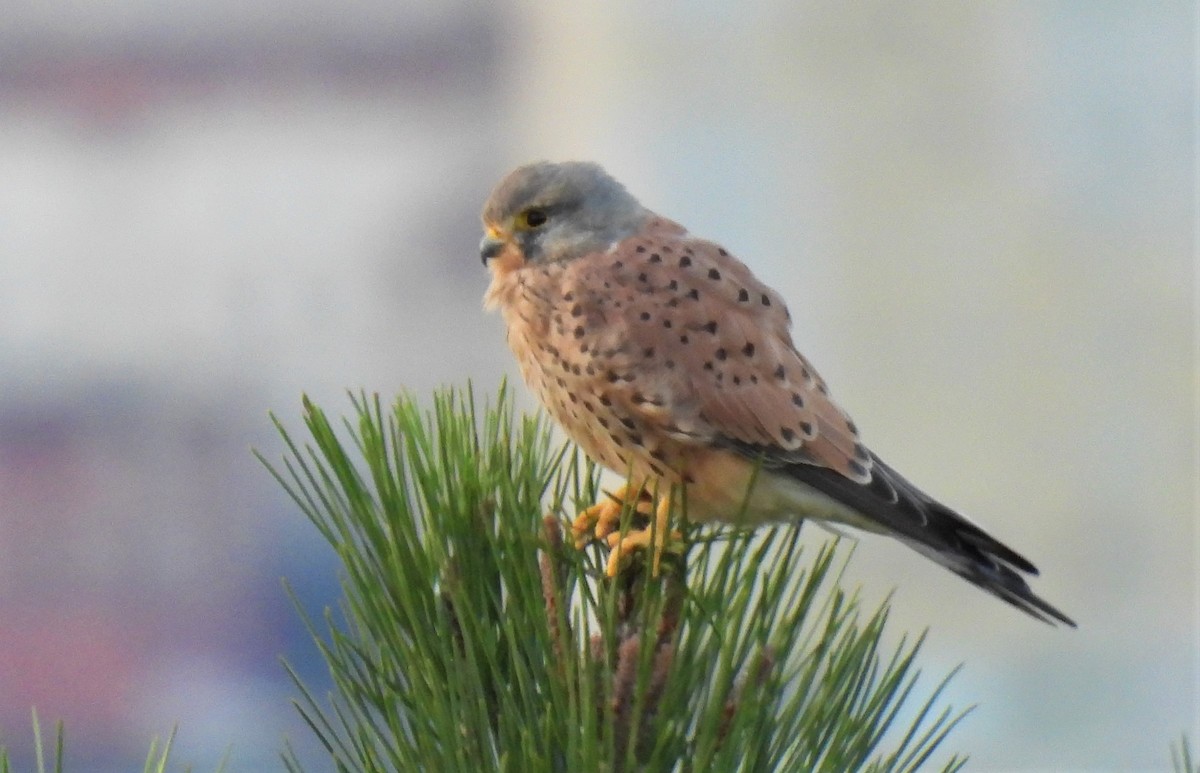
x=547 y=212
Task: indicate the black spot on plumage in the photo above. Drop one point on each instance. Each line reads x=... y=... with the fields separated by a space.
x=648 y=352
x=722 y=251
x=857 y=468
x=683 y=339
x=787 y=433
x=721 y=354
x=576 y=370
x=605 y=401
x=572 y=397
x=672 y=303
x=822 y=389
x=670 y=364
x=666 y=248
x=850 y=425
x=603 y=422
x=737 y=380
x=617 y=264
x=743 y=295
x=694 y=294
x=628 y=422
x=766 y=300
x=642 y=277
x=655 y=257
x=644 y=316
x=748 y=349
x=710 y=326
x=684 y=262
x=713 y=274
x=640 y=248
x=797 y=400
x=780 y=373
x=673 y=285
x=634 y=437
x=568 y=297
x=806 y=428
x=708 y=365
x=667 y=323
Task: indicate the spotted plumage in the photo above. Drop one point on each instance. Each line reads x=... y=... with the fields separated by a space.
x=667 y=360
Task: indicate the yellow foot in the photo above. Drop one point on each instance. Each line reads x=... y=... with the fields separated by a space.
x=604 y=521
x=604 y=517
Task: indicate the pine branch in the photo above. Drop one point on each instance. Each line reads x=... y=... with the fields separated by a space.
x=1182 y=760
x=470 y=638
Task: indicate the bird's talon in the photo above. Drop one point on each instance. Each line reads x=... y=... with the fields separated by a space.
x=600 y=520
x=640 y=540
x=581 y=527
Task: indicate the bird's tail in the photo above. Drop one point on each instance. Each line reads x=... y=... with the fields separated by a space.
x=902 y=510
x=976 y=556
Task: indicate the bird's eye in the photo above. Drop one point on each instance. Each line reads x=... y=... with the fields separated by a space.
x=533 y=218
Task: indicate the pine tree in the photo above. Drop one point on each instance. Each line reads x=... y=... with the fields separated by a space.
x=470 y=638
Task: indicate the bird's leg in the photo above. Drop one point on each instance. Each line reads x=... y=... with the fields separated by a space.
x=654 y=536
x=604 y=517
x=603 y=521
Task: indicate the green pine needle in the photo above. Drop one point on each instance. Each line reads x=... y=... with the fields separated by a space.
x=1182 y=760
x=156 y=761
x=469 y=637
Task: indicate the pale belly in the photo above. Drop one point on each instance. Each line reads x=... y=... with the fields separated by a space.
x=728 y=488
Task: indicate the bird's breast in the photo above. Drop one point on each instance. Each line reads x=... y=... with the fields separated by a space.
x=576 y=361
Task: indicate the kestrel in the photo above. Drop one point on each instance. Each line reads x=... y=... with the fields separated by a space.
x=668 y=361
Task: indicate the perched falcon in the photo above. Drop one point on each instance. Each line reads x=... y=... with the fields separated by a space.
x=667 y=360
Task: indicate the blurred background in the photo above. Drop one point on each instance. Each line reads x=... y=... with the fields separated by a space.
x=982 y=215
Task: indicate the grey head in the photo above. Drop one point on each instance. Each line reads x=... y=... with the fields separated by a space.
x=558 y=211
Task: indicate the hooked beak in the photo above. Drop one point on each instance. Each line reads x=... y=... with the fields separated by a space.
x=490 y=247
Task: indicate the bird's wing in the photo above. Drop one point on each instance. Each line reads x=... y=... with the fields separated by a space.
x=711 y=348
